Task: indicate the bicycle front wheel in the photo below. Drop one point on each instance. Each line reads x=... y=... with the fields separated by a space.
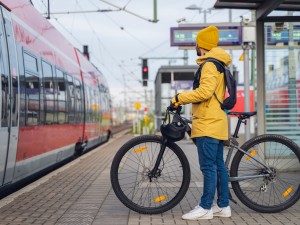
x=272 y=188
x=140 y=192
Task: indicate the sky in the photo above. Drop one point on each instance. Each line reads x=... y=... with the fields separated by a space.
x=118 y=40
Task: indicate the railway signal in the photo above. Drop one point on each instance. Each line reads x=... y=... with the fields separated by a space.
x=145 y=71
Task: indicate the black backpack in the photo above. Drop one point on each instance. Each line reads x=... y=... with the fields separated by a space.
x=230 y=82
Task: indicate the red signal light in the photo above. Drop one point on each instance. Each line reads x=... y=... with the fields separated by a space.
x=145 y=69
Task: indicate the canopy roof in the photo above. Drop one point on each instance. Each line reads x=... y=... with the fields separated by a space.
x=263 y=7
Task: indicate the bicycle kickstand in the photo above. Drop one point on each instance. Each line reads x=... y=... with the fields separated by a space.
x=231 y=199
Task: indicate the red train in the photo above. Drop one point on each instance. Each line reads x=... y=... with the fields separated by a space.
x=54 y=103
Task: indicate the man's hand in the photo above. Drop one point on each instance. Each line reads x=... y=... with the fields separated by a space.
x=173 y=104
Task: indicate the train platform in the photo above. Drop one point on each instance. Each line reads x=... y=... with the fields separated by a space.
x=80 y=193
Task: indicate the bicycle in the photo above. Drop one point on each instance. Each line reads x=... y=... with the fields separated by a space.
x=151 y=175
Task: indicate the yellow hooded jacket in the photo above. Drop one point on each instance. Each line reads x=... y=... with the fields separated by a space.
x=208 y=117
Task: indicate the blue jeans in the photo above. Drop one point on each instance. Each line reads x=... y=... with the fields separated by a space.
x=214 y=172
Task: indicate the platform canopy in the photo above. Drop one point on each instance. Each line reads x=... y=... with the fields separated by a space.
x=263 y=7
x=265 y=19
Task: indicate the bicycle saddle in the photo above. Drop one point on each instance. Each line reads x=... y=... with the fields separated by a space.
x=243 y=114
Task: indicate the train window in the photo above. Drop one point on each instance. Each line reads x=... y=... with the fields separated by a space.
x=4 y=100
x=13 y=71
x=87 y=103
x=61 y=97
x=48 y=92
x=92 y=105
x=96 y=105
x=30 y=63
x=14 y=110
x=4 y=80
x=32 y=102
x=70 y=99
x=78 y=102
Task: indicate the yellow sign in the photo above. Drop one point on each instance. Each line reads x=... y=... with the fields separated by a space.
x=146 y=119
x=95 y=107
x=242 y=57
x=137 y=105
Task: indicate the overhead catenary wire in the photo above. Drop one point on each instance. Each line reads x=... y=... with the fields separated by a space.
x=125 y=10
x=125 y=30
x=81 y=44
x=96 y=59
x=97 y=36
x=108 y=53
x=127 y=4
x=84 y=11
x=120 y=65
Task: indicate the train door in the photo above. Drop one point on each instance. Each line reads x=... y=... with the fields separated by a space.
x=8 y=101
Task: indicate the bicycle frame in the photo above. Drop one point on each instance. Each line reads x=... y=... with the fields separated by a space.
x=233 y=144
x=240 y=178
x=156 y=180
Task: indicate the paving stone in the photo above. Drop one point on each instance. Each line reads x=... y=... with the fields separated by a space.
x=82 y=194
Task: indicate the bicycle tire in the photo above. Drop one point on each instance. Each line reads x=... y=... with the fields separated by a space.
x=280 y=190
x=157 y=202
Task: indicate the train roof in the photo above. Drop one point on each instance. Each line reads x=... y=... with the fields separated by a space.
x=46 y=40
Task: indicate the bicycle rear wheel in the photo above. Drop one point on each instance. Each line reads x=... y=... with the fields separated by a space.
x=130 y=175
x=279 y=189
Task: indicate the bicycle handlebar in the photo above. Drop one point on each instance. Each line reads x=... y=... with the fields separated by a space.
x=172 y=110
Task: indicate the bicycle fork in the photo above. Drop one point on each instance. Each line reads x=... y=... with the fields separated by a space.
x=155 y=172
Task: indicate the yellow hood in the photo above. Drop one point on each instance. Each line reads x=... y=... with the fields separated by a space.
x=216 y=53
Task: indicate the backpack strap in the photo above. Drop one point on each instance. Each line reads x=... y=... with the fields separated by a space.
x=220 y=67
x=217 y=63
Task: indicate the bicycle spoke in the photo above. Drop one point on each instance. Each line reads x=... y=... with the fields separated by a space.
x=276 y=190
x=135 y=183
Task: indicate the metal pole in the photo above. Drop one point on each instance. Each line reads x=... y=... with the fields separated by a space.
x=230 y=21
x=155 y=11
x=246 y=89
x=125 y=96
x=261 y=92
x=185 y=56
x=231 y=69
x=146 y=100
x=48 y=17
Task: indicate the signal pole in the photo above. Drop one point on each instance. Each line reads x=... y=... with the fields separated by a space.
x=155 y=20
x=248 y=43
x=48 y=15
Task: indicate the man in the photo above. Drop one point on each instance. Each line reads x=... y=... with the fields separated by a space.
x=209 y=126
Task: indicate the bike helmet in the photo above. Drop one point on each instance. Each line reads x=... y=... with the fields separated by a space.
x=173 y=132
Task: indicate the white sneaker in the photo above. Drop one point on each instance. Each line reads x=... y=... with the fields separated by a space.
x=221 y=212
x=198 y=213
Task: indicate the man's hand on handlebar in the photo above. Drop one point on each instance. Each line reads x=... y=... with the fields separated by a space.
x=173 y=106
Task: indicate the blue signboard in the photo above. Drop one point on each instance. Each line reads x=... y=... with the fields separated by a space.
x=182 y=84
x=186 y=36
x=282 y=37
